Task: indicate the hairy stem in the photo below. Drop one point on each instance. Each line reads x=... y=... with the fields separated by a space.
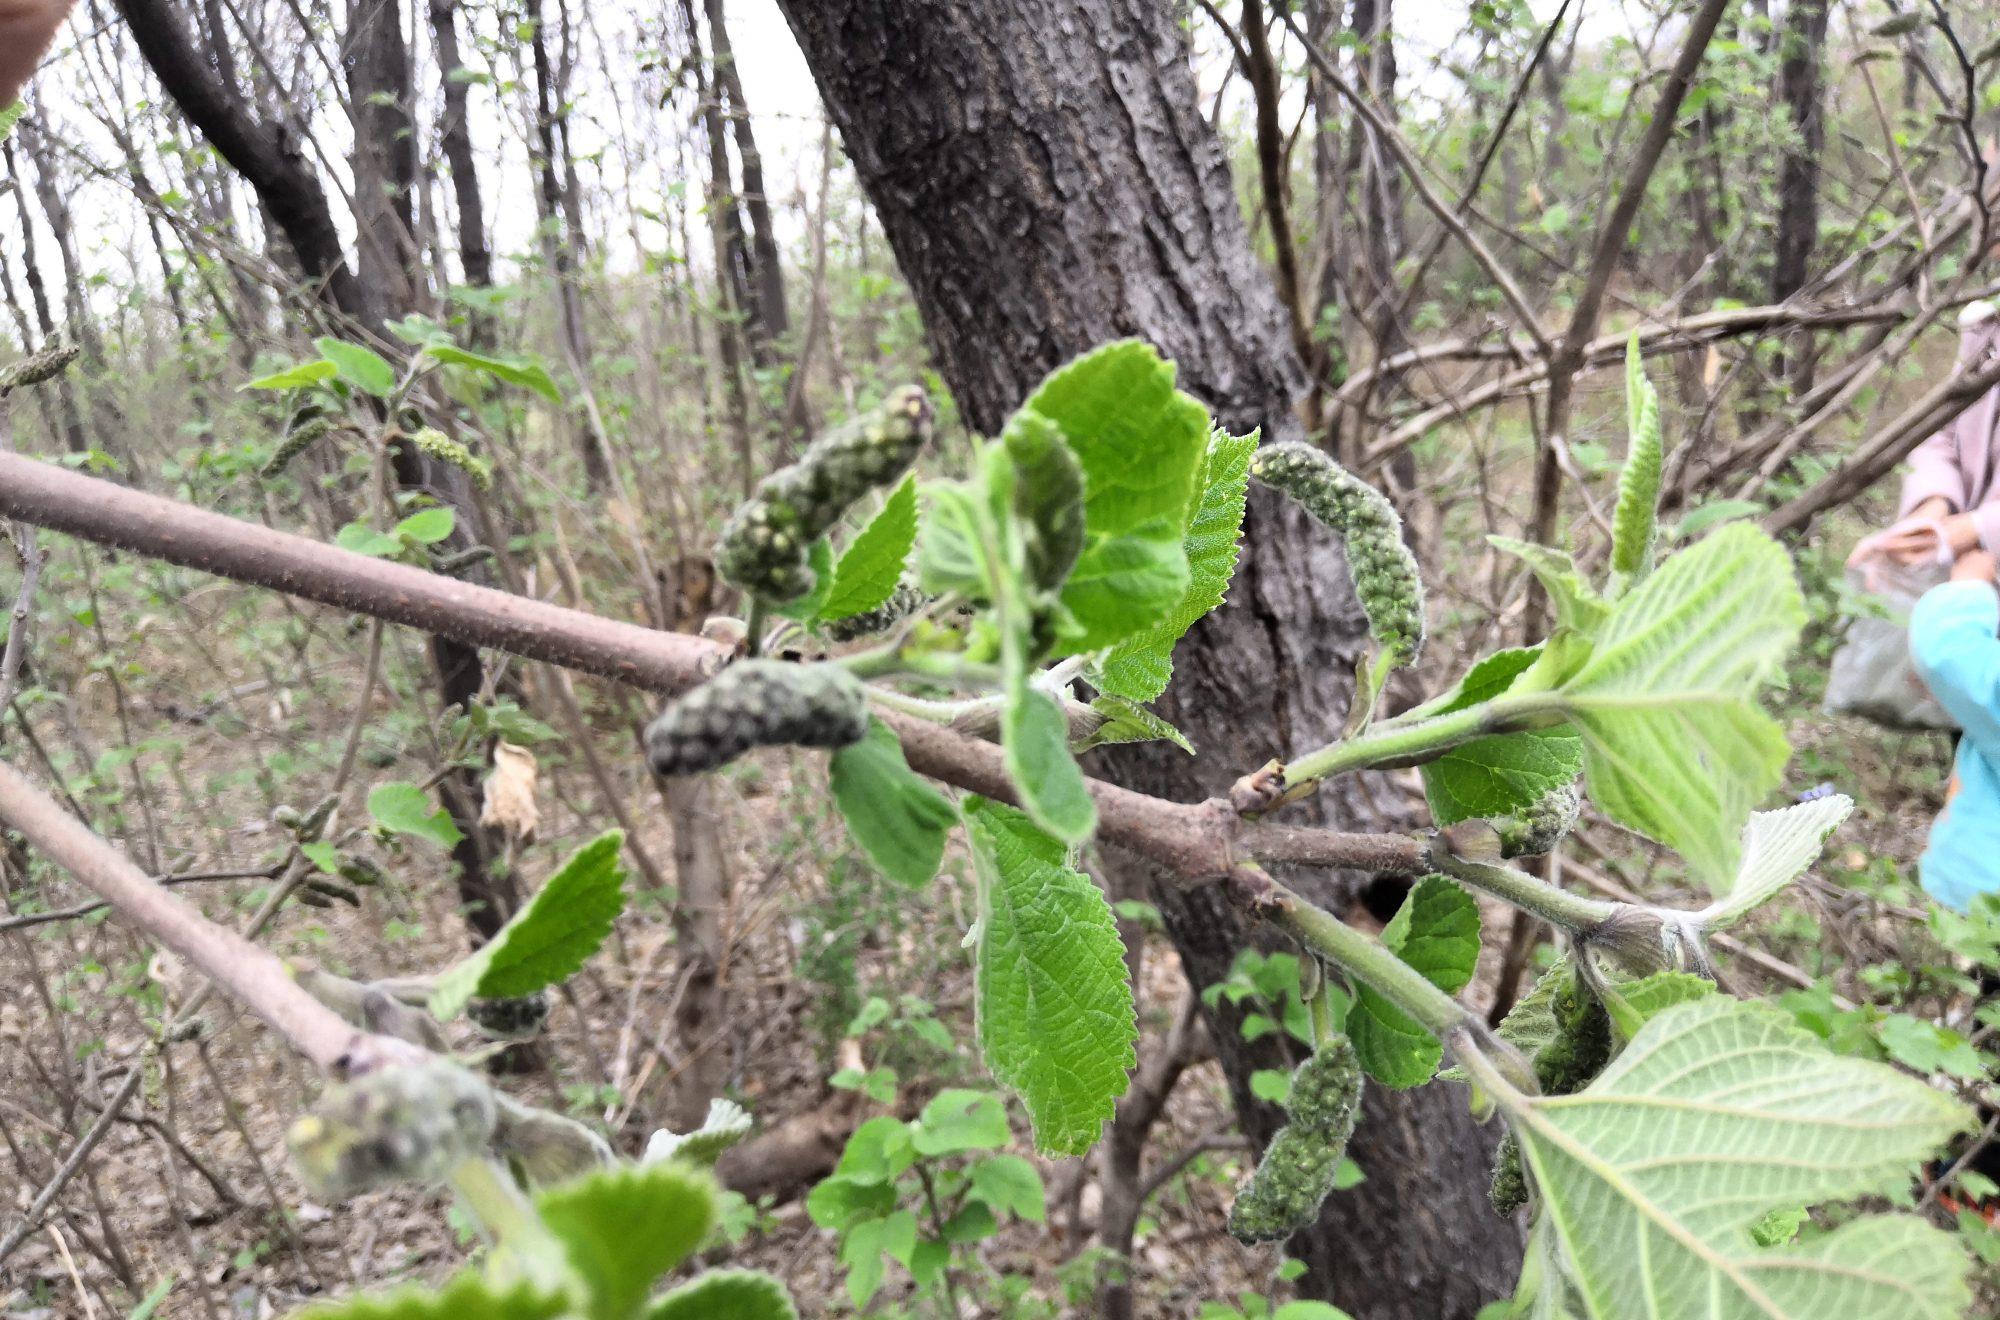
x=1556 y=906
x=1392 y=745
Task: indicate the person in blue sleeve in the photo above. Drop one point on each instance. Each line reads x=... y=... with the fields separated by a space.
x=1955 y=643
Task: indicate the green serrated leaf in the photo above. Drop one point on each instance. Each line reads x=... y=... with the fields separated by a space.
x=1009 y=1184
x=1635 y=518
x=548 y=939
x=874 y=561
x=1577 y=604
x=1056 y=1022
x=726 y=1295
x=899 y=820
x=1123 y=584
x=624 y=1228
x=300 y=376
x=1507 y=772
x=1034 y=735
x=1778 y=846
x=1128 y=722
x=522 y=371
x=1674 y=746
x=1626 y=1172
x=870 y=1242
x=951 y=556
x=363 y=368
x=467 y=1297
x=1140 y=667
x=1436 y=931
x=405 y=809
x=1140 y=440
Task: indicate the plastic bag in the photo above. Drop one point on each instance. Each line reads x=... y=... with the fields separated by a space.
x=1873 y=676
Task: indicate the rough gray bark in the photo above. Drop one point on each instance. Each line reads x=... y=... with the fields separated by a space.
x=1042 y=173
x=474 y=256
x=1802 y=93
x=765 y=317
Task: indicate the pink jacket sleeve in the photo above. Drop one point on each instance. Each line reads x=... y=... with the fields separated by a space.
x=1935 y=470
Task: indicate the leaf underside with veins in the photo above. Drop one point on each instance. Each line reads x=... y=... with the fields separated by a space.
x=1674 y=744
x=1717 y=1113
x=1055 y=1013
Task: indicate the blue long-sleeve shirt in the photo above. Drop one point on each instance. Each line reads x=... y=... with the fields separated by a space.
x=1954 y=644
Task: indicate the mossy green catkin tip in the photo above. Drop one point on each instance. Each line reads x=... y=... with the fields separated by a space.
x=1569 y=1062
x=1385 y=572
x=410 y=1123
x=758 y=703
x=764 y=546
x=37 y=367
x=1298 y=1168
x=297 y=440
x=1540 y=827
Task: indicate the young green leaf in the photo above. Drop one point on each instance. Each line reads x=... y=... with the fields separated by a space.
x=297 y=377
x=1506 y=772
x=1140 y=440
x=1140 y=667
x=1632 y=1004
x=951 y=556
x=1055 y=1013
x=1642 y=1225
x=1635 y=518
x=1778 y=846
x=1127 y=722
x=427 y=526
x=959 y=1120
x=405 y=809
x=1674 y=746
x=726 y=1125
x=1045 y=495
x=1436 y=931
x=1009 y=1184
x=1577 y=604
x=1123 y=584
x=467 y=1297
x=873 y=563
x=11 y=115
x=548 y=939
x=1034 y=735
x=524 y=371
x=624 y=1228
x=726 y=1295
x=363 y=368
x=899 y=820
x=870 y=1242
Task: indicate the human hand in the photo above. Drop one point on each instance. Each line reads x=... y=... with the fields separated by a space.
x=1974 y=566
x=26 y=28
x=1912 y=541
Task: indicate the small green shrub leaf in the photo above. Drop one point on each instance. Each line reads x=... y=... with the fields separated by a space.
x=1055 y=1013
x=300 y=376
x=624 y=1228
x=406 y=809
x=1436 y=931
x=1123 y=584
x=547 y=940
x=868 y=571
x=1034 y=735
x=1140 y=667
x=726 y=1295
x=467 y=1297
x=523 y=371
x=899 y=820
x=959 y=1120
x=363 y=368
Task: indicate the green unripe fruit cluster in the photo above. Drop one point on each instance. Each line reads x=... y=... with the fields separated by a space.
x=413 y=1122
x=1384 y=571
x=1542 y=826
x=764 y=546
x=1569 y=1062
x=904 y=601
x=305 y=431
x=1298 y=1168
x=758 y=703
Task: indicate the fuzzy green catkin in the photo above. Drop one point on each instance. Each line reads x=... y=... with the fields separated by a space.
x=904 y=601
x=758 y=703
x=413 y=1122
x=1539 y=828
x=1298 y=1168
x=1384 y=571
x=429 y=440
x=1569 y=1062
x=36 y=368
x=763 y=548
x=297 y=440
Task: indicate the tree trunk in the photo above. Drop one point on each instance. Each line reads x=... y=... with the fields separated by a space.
x=474 y=256
x=1047 y=184
x=1802 y=92
x=765 y=317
